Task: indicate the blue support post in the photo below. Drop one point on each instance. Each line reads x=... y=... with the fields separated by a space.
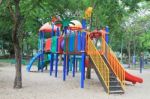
x=64 y=68
x=52 y=55
x=107 y=40
x=39 y=49
x=82 y=70
x=107 y=32
x=53 y=30
x=51 y=63
x=83 y=65
x=141 y=62
x=71 y=64
x=73 y=71
x=76 y=65
x=80 y=65
x=68 y=58
x=64 y=65
x=42 y=50
x=84 y=24
x=83 y=60
x=56 y=65
x=39 y=63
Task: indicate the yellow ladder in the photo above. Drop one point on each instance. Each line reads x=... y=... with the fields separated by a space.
x=114 y=63
x=99 y=63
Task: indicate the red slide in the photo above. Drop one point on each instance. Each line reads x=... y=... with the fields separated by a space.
x=133 y=79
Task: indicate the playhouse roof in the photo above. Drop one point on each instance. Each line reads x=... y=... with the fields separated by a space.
x=47 y=27
x=76 y=26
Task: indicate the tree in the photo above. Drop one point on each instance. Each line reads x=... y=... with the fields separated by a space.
x=88 y=73
x=16 y=18
x=135 y=26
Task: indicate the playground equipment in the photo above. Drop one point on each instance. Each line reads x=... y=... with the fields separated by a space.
x=77 y=41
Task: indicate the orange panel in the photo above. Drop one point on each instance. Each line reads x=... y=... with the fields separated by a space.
x=48 y=45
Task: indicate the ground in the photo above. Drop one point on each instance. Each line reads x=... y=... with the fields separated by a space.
x=37 y=85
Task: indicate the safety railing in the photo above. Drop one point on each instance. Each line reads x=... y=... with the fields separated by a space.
x=102 y=68
x=114 y=63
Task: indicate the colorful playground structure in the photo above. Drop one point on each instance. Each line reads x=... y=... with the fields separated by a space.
x=74 y=41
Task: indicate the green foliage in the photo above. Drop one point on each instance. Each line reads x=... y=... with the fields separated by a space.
x=136 y=30
x=34 y=13
x=144 y=41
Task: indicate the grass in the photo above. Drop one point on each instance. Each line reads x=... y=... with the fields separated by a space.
x=6 y=60
x=147 y=67
x=12 y=61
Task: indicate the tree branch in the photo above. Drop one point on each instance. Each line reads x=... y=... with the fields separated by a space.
x=0 y=1
x=94 y=5
x=11 y=11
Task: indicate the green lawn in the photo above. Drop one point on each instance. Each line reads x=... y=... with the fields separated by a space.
x=6 y=60
x=147 y=66
x=12 y=61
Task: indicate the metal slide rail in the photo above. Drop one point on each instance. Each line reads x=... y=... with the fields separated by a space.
x=114 y=63
x=102 y=68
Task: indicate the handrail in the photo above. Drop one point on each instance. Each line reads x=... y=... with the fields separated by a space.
x=102 y=68
x=114 y=63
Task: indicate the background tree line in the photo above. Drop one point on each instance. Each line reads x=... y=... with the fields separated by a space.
x=21 y=19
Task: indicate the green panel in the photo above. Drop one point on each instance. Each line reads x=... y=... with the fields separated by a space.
x=54 y=44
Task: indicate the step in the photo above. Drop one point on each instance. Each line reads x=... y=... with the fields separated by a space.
x=117 y=87
x=116 y=92
x=113 y=78
x=114 y=83
x=111 y=74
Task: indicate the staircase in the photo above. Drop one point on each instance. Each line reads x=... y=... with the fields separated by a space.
x=115 y=87
x=117 y=72
x=100 y=67
x=109 y=72
x=114 y=84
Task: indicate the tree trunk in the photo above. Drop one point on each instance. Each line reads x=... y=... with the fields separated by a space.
x=3 y=50
x=88 y=73
x=16 y=15
x=129 y=54
x=18 y=76
x=17 y=49
x=121 y=49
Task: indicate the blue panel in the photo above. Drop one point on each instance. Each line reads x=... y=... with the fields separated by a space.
x=71 y=42
x=79 y=42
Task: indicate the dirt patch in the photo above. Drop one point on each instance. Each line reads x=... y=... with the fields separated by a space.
x=37 y=85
